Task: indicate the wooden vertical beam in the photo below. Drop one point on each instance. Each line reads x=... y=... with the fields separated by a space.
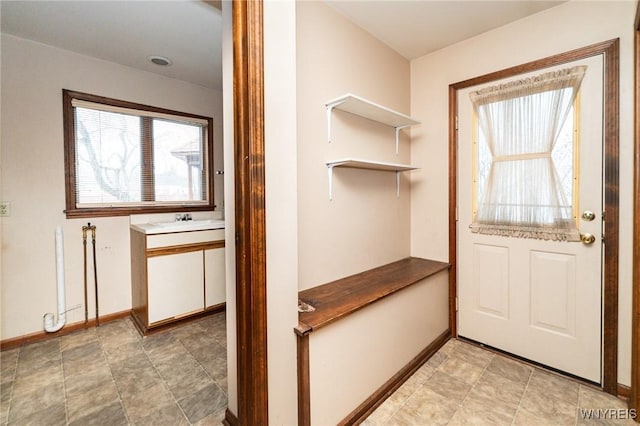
x=634 y=400
x=611 y=206
x=453 y=208
x=304 y=384
x=248 y=83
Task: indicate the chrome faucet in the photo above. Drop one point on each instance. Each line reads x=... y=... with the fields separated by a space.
x=183 y=217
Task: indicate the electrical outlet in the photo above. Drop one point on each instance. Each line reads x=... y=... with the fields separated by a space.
x=5 y=209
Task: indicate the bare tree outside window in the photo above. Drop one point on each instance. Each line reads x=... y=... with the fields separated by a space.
x=108 y=156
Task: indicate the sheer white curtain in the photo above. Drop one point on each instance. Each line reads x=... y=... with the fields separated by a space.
x=519 y=122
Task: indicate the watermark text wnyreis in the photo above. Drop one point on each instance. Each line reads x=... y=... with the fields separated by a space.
x=607 y=413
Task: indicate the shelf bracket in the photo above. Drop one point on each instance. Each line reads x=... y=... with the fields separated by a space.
x=330 y=107
x=330 y=171
x=329 y=110
x=398 y=184
x=398 y=136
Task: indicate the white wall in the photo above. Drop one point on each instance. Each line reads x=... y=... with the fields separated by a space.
x=281 y=197
x=229 y=206
x=312 y=55
x=351 y=358
x=569 y=26
x=365 y=225
x=281 y=207
x=33 y=76
x=1 y=192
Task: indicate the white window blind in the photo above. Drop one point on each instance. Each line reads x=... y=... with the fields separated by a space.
x=129 y=157
x=108 y=158
x=132 y=111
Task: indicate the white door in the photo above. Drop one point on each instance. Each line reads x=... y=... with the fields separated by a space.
x=537 y=299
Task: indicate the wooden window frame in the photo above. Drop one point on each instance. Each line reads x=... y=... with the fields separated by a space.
x=610 y=51
x=73 y=211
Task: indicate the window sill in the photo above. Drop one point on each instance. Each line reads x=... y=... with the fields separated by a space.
x=126 y=211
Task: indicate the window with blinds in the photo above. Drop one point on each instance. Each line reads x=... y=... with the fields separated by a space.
x=124 y=158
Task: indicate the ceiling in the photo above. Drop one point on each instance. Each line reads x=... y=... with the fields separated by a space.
x=126 y=32
x=189 y=31
x=419 y=27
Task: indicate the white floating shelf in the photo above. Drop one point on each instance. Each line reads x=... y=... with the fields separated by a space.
x=364 y=108
x=355 y=163
x=367 y=109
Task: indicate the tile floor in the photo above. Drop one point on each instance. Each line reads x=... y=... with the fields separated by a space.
x=111 y=376
x=466 y=385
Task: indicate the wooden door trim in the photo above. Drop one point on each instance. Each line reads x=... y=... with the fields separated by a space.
x=610 y=51
x=634 y=400
x=251 y=300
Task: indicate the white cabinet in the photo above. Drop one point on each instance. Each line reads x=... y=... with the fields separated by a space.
x=176 y=276
x=175 y=285
x=364 y=108
x=214 y=277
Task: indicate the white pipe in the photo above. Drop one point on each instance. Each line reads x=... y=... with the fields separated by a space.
x=48 y=318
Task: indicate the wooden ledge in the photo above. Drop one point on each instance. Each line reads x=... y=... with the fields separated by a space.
x=342 y=297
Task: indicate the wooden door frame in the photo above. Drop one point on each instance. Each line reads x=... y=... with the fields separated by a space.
x=251 y=297
x=634 y=399
x=610 y=51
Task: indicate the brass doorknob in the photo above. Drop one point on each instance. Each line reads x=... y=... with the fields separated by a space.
x=587 y=238
x=588 y=216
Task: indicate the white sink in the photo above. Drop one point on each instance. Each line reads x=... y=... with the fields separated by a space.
x=179 y=226
x=202 y=222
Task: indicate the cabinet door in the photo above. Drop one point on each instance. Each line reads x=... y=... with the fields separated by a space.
x=175 y=285
x=214 y=279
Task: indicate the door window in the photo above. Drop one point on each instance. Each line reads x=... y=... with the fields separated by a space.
x=525 y=149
